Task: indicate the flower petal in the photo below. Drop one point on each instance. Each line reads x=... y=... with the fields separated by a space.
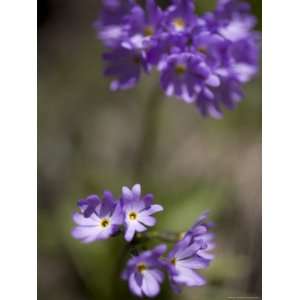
x=133 y=286
x=150 y=285
x=129 y=234
x=126 y=193
x=147 y=220
x=79 y=219
x=136 y=190
x=154 y=209
x=188 y=277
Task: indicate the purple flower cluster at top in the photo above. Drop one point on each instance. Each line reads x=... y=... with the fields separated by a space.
x=145 y=272
x=100 y=219
x=203 y=60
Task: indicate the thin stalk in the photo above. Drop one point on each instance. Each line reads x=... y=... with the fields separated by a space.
x=165 y=236
x=148 y=139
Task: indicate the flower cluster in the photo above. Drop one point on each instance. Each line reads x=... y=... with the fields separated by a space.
x=203 y=60
x=101 y=218
x=145 y=272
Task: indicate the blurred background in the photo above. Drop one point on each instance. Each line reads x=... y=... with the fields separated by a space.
x=90 y=139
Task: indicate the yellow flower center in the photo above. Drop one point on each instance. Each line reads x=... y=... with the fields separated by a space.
x=202 y=50
x=178 y=23
x=104 y=223
x=133 y=215
x=148 y=31
x=141 y=267
x=180 y=69
x=173 y=261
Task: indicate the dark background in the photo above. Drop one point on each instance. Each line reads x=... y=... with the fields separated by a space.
x=90 y=139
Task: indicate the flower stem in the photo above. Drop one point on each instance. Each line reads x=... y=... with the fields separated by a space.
x=165 y=236
x=149 y=134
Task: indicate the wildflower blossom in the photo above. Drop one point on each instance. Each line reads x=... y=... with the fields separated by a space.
x=144 y=274
x=181 y=263
x=200 y=234
x=138 y=210
x=186 y=75
x=102 y=221
x=204 y=60
x=192 y=252
x=180 y=16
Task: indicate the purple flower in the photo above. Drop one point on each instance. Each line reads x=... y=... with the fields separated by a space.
x=181 y=262
x=186 y=75
x=138 y=210
x=125 y=66
x=109 y=26
x=141 y=25
x=200 y=234
x=144 y=274
x=191 y=253
x=103 y=221
x=180 y=16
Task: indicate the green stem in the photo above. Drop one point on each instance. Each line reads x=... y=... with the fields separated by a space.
x=149 y=134
x=165 y=236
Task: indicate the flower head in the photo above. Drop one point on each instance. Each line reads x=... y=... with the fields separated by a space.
x=185 y=75
x=144 y=274
x=189 y=254
x=200 y=234
x=181 y=262
x=99 y=219
x=141 y=25
x=180 y=16
x=138 y=210
x=204 y=60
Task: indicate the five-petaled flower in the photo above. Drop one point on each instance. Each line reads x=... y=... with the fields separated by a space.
x=102 y=222
x=192 y=252
x=144 y=274
x=138 y=210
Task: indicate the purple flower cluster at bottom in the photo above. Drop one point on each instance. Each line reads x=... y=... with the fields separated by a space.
x=204 y=60
x=131 y=213
x=145 y=272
